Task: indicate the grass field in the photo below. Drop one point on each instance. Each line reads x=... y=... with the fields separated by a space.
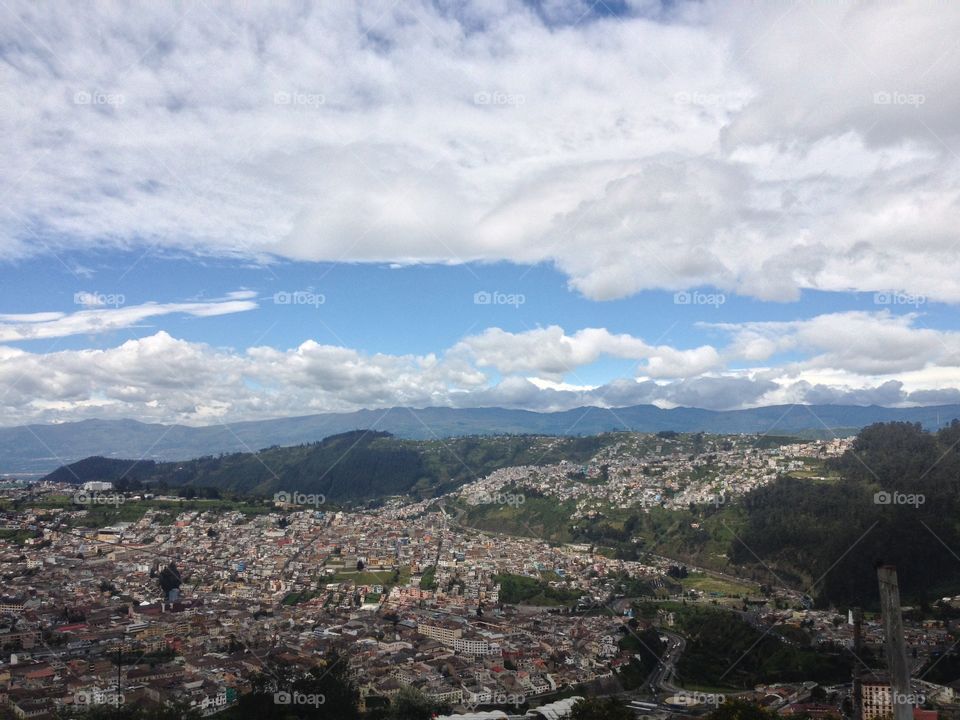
x=542 y=518
x=365 y=577
x=708 y=584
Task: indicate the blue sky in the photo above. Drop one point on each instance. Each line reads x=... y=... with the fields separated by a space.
x=210 y=213
x=383 y=308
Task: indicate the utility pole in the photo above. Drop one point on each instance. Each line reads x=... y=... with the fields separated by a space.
x=894 y=646
x=857 y=650
x=116 y=695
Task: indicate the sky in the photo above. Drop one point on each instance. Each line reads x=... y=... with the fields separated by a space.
x=214 y=212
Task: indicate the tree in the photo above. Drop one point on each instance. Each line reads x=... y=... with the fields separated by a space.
x=740 y=710
x=177 y=711
x=411 y=704
x=327 y=691
x=601 y=709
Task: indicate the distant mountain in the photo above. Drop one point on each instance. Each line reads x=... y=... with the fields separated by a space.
x=39 y=449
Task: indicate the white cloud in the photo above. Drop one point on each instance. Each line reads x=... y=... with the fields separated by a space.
x=742 y=146
x=871 y=344
x=37 y=326
x=758 y=149
x=552 y=354
x=162 y=378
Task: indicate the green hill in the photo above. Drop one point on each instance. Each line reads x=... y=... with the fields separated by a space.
x=820 y=536
x=836 y=532
x=357 y=465
x=724 y=651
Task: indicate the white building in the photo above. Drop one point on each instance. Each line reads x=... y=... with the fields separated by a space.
x=98 y=486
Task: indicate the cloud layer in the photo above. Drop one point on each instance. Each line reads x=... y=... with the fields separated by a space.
x=761 y=149
x=892 y=360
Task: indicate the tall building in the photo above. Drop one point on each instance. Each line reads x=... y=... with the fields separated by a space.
x=877 y=697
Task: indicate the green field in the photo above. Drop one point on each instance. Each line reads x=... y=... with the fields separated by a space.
x=427 y=580
x=17 y=537
x=365 y=577
x=708 y=584
x=522 y=590
x=297 y=598
x=724 y=652
x=542 y=518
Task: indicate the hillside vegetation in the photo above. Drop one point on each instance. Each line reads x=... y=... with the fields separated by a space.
x=835 y=533
x=352 y=466
x=820 y=536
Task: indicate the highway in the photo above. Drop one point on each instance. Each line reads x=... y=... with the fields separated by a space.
x=662 y=679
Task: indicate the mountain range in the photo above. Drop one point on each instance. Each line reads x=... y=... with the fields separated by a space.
x=38 y=449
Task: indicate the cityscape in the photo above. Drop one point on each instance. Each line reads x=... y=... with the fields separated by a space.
x=188 y=599
x=480 y=360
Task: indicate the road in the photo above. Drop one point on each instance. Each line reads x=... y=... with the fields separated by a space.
x=662 y=679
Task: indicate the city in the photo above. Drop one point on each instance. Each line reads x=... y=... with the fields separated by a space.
x=480 y=360
x=186 y=604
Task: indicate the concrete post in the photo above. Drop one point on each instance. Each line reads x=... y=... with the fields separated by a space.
x=894 y=646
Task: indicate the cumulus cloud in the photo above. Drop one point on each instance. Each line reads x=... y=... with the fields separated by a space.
x=758 y=149
x=163 y=378
x=865 y=343
x=553 y=354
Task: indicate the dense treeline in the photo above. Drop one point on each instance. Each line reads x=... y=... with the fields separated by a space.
x=897 y=502
x=647 y=648
x=101 y=468
x=522 y=590
x=723 y=650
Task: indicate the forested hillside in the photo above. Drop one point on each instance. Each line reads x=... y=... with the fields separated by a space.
x=357 y=465
x=898 y=501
